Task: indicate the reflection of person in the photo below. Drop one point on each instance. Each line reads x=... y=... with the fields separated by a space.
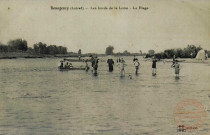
x=110 y=63
x=136 y=64
x=154 y=65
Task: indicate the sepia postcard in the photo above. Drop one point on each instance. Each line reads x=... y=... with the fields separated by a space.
x=104 y=67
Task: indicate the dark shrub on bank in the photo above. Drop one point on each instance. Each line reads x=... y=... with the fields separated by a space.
x=17 y=45
x=3 y=48
x=109 y=50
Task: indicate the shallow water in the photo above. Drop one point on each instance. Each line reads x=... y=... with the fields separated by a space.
x=35 y=98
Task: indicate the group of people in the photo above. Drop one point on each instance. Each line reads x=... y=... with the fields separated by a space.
x=95 y=61
x=94 y=64
x=65 y=65
x=121 y=64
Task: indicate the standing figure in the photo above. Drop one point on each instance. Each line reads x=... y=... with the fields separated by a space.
x=118 y=60
x=122 y=67
x=95 y=65
x=67 y=66
x=174 y=59
x=70 y=65
x=191 y=54
x=61 y=65
x=136 y=64
x=206 y=56
x=110 y=63
x=86 y=66
x=154 y=65
x=134 y=58
x=177 y=68
x=92 y=61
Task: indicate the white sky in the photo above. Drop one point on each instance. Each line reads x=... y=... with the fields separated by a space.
x=166 y=24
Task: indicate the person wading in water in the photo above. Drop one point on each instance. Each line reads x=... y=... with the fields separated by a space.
x=122 y=67
x=136 y=64
x=110 y=63
x=94 y=64
x=154 y=61
x=176 y=67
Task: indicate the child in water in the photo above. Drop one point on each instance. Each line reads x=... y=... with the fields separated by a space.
x=122 y=67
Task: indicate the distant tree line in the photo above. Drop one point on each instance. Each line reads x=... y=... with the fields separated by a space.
x=125 y=53
x=189 y=52
x=19 y=45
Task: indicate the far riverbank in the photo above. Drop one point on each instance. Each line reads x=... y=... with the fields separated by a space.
x=16 y=55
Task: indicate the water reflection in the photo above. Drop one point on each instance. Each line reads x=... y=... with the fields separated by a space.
x=177 y=78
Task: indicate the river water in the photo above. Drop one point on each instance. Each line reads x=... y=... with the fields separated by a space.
x=35 y=98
